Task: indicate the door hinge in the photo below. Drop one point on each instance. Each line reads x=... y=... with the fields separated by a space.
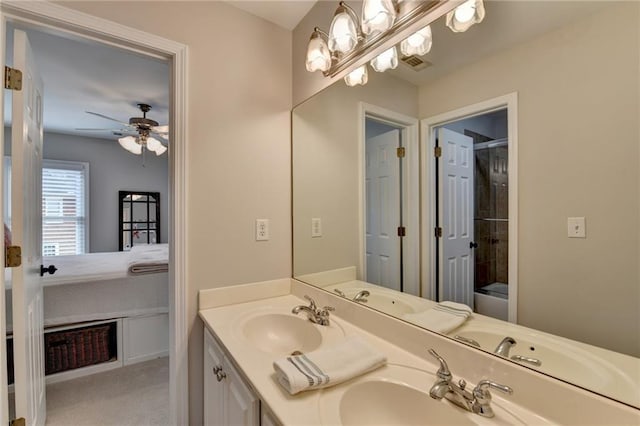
x=400 y=152
x=402 y=231
x=438 y=232
x=437 y=152
x=20 y=421
x=12 y=78
x=12 y=257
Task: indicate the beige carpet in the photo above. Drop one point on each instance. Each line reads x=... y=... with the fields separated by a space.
x=136 y=395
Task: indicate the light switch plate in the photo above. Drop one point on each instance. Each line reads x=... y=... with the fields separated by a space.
x=576 y=227
x=316 y=227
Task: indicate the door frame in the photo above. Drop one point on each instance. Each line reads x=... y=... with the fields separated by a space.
x=79 y=24
x=429 y=202
x=410 y=190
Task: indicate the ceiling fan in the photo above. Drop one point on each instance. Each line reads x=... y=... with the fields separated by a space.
x=141 y=129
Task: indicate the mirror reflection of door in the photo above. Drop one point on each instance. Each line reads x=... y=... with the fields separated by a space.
x=383 y=182
x=139 y=218
x=474 y=213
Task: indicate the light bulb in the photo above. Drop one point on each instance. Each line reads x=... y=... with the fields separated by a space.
x=359 y=76
x=377 y=16
x=418 y=43
x=464 y=16
x=318 y=55
x=343 y=35
x=387 y=60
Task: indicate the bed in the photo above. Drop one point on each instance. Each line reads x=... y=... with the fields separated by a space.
x=99 y=286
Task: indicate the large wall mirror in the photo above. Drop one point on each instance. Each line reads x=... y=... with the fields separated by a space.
x=501 y=174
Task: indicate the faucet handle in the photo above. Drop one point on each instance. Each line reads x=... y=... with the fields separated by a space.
x=481 y=391
x=312 y=303
x=443 y=372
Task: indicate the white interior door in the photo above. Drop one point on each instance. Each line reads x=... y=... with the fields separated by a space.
x=26 y=214
x=456 y=215
x=382 y=181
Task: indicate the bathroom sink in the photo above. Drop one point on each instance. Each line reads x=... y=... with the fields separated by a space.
x=398 y=395
x=559 y=357
x=381 y=300
x=281 y=333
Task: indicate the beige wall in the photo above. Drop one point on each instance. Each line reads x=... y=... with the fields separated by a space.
x=238 y=152
x=578 y=155
x=326 y=178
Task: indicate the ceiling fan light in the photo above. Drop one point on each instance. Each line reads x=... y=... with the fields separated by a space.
x=418 y=43
x=377 y=16
x=343 y=35
x=318 y=55
x=464 y=16
x=130 y=144
x=153 y=144
x=387 y=60
x=359 y=76
x=161 y=150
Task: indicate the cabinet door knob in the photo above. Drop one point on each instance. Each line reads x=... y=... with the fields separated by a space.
x=217 y=369
x=221 y=375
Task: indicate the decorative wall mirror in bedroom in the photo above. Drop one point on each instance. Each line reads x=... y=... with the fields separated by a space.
x=139 y=218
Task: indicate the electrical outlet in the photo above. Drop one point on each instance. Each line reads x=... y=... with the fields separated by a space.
x=262 y=229
x=576 y=227
x=316 y=227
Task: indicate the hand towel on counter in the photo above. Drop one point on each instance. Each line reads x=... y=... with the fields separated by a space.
x=148 y=259
x=327 y=367
x=442 y=318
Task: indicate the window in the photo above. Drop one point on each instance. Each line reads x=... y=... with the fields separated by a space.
x=65 y=198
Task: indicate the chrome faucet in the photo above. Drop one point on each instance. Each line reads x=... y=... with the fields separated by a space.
x=315 y=315
x=505 y=346
x=478 y=401
x=361 y=297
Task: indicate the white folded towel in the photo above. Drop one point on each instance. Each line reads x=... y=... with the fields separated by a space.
x=148 y=259
x=442 y=318
x=327 y=367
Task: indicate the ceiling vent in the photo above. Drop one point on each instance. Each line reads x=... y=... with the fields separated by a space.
x=415 y=63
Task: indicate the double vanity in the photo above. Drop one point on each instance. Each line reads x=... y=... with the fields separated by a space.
x=427 y=379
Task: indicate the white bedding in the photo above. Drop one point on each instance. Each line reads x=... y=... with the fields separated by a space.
x=100 y=266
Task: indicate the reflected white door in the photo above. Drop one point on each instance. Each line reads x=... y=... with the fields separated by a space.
x=456 y=215
x=26 y=215
x=382 y=182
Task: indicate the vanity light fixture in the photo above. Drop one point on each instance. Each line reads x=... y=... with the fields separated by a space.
x=387 y=60
x=344 y=35
x=318 y=54
x=418 y=44
x=347 y=42
x=377 y=16
x=464 y=16
x=358 y=76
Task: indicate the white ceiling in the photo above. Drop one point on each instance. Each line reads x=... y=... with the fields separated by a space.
x=285 y=13
x=81 y=75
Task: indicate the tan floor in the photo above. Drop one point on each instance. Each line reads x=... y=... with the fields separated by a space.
x=136 y=395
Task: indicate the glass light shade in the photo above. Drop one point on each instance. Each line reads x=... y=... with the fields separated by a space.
x=418 y=43
x=318 y=55
x=377 y=16
x=156 y=146
x=359 y=76
x=387 y=60
x=130 y=144
x=343 y=35
x=464 y=16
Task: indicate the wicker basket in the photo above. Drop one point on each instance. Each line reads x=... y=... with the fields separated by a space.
x=80 y=347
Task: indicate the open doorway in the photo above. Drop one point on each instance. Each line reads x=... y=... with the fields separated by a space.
x=87 y=306
x=470 y=206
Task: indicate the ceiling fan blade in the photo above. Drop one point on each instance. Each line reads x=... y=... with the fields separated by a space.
x=108 y=118
x=164 y=129
x=93 y=130
x=161 y=136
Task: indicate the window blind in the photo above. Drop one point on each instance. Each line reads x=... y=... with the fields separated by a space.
x=64 y=207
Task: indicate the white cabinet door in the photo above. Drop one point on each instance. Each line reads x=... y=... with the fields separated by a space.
x=228 y=401
x=213 y=389
x=266 y=418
